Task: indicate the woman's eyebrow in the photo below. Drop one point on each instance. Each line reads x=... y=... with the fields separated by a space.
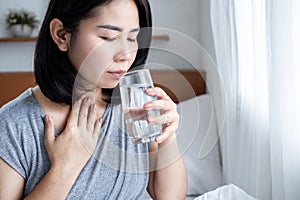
x=116 y=28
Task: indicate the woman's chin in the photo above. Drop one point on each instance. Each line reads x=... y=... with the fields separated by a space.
x=111 y=85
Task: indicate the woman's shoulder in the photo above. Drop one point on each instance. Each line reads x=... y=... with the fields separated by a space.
x=20 y=120
x=19 y=132
x=18 y=107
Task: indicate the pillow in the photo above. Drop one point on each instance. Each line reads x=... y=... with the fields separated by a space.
x=196 y=118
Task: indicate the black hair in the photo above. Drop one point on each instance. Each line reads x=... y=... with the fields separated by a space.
x=53 y=70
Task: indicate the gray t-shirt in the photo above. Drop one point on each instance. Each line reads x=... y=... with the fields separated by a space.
x=118 y=169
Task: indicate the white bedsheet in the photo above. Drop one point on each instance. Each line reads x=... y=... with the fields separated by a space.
x=227 y=192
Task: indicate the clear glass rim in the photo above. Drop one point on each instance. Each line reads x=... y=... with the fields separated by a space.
x=135 y=71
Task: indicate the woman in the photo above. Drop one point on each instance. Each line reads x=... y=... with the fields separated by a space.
x=52 y=148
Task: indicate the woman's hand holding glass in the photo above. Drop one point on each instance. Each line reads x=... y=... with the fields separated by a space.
x=74 y=146
x=170 y=118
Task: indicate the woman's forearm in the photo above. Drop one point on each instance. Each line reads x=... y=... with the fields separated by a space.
x=170 y=179
x=56 y=185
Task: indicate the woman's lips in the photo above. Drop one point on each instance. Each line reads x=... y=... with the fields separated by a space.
x=117 y=74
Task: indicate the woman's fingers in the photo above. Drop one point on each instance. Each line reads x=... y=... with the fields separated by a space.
x=73 y=117
x=84 y=112
x=170 y=116
x=159 y=105
x=83 y=115
x=91 y=118
x=166 y=118
x=169 y=109
x=160 y=93
x=83 y=124
x=97 y=127
x=167 y=132
x=49 y=130
x=75 y=145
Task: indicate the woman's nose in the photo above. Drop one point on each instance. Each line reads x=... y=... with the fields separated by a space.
x=123 y=55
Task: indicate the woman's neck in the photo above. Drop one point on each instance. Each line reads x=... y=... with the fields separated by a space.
x=60 y=112
x=97 y=97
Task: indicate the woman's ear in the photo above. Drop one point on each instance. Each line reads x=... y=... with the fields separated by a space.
x=59 y=35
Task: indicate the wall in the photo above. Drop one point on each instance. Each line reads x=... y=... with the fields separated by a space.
x=15 y=56
x=188 y=17
x=196 y=49
x=36 y=6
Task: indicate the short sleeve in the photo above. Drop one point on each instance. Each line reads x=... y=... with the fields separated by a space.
x=12 y=149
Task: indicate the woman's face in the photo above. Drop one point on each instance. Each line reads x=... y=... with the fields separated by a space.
x=105 y=46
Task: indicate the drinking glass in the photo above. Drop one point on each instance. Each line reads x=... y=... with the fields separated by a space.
x=133 y=96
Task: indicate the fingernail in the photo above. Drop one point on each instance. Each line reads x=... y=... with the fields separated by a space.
x=87 y=100
x=147 y=105
x=93 y=106
x=99 y=120
x=150 y=120
x=149 y=90
x=46 y=118
x=158 y=140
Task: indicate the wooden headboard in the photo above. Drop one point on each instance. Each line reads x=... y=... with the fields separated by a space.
x=14 y=83
x=180 y=85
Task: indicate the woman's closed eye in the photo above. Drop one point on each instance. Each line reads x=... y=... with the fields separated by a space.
x=108 y=38
x=131 y=39
x=111 y=39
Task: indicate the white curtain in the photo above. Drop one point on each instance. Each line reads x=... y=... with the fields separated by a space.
x=257 y=42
